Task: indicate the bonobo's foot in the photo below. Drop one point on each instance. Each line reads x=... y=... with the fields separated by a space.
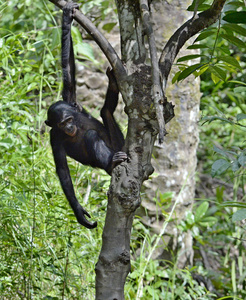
x=112 y=84
x=118 y=158
x=69 y=11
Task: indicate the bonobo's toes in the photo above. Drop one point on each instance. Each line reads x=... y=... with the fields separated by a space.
x=70 y=8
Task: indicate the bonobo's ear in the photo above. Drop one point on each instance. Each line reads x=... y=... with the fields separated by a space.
x=47 y=122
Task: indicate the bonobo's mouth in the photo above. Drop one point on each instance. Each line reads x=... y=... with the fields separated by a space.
x=73 y=133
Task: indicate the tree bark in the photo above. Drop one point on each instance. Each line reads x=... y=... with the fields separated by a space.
x=175 y=159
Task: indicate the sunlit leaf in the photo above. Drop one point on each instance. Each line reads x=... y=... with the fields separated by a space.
x=201 y=211
x=230 y=60
x=218 y=72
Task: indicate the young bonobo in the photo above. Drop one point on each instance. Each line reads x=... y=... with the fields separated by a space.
x=75 y=132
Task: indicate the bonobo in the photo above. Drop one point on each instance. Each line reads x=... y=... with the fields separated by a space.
x=75 y=132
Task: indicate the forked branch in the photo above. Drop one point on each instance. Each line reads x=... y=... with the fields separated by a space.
x=186 y=31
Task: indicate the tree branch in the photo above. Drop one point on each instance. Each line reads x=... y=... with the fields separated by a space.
x=156 y=83
x=186 y=31
x=99 y=38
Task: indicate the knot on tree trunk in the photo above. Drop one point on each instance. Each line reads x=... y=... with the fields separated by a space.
x=126 y=190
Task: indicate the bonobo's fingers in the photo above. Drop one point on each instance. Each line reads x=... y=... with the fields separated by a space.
x=80 y=215
x=69 y=10
x=119 y=157
x=112 y=80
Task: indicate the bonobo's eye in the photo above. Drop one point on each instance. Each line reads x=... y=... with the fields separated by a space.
x=69 y=120
x=65 y=122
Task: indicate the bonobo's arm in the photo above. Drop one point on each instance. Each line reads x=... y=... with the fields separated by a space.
x=66 y=182
x=68 y=64
x=101 y=155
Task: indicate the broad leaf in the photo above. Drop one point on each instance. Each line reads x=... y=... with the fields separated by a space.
x=201 y=211
x=241 y=117
x=230 y=60
x=242 y=159
x=218 y=72
x=236 y=17
x=239 y=215
x=234 y=40
x=219 y=167
x=208 y=221
x=236 y=28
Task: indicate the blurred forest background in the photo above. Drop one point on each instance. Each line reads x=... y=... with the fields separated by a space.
x=44 y=252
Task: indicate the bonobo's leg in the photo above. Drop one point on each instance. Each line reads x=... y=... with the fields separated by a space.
x=68 y=64
x=111 y=101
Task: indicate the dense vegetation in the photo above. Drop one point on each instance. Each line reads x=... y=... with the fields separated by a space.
x=44 y=253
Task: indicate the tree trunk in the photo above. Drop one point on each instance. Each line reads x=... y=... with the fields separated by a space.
x=175 y=159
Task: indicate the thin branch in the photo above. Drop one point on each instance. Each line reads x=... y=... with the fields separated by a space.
x=156 y=83
x=99 y=38
x=186 y=31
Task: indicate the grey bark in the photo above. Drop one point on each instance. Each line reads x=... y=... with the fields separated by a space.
x=138 y=89
x=175 y=159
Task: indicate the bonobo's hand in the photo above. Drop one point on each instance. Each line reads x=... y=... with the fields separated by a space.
x=80 y=213
x=118 y=158
x=69 y=11
x=112 y=80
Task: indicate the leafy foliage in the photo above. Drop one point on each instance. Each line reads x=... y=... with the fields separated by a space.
x=219 y=59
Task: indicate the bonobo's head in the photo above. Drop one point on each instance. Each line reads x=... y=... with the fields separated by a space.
x=62 y=115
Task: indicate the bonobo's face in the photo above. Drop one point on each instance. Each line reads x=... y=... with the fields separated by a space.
x=68 y=126
x=61 y=115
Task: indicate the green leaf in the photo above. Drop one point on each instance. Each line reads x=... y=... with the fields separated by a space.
x=219 y=167
x=234 y=204
x=234 y=40
x=218 y=72
x=240 y=89
x=201 y=6
x=236 y=17
x=238 y=82
x=189 y=57
x=221 y=151
x=85 y=50
x=241 y=117
x=242 y=159
x=204 y=35
x=236 y=28
x=175 y=77
x=190 y=218
x=235 y=166
x=109 y=26
x=198 y=46
x=239 y=215
x=208 y=221
x=186 y=72
x=201 y=211
x=230 y=60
